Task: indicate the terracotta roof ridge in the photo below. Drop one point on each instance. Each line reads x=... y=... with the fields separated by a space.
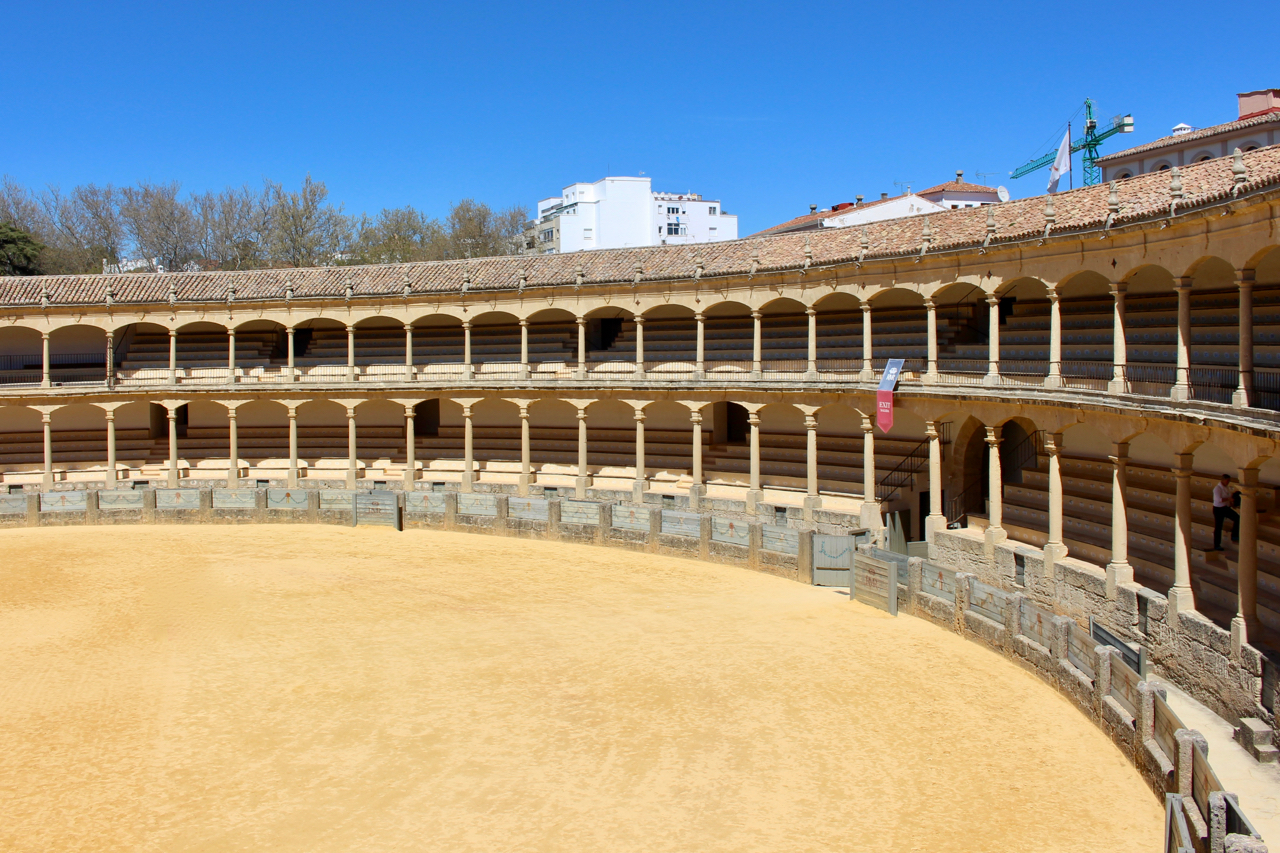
x=1201 y=133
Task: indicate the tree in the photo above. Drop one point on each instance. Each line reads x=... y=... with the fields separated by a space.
x=304 y=231
x=161 y=226
x=476 y=230
x=234 y=227
x=398 y=236
x=19 y=251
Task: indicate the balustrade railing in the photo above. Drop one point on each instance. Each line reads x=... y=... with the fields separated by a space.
x=1213 y=384
x=1088 y=375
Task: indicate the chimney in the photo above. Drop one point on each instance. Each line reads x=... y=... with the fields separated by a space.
x=959 y=176
x=1258 y=103
x=857 y=200
x=813 y=208
x=883 y=196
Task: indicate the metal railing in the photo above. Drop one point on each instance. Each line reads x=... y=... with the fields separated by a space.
x=1088 y=375
x=1213 y=384
x=1151 y=380
x=903 y=473
x=969 y=500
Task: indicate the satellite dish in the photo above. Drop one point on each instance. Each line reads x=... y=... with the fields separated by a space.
x=1002 y=193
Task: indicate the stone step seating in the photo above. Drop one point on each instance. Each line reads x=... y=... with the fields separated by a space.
x=437 y=344
x=1150 y=501
x=25 y=450
x=151 y=351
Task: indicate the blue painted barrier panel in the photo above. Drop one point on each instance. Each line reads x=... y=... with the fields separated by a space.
x=336 y=499
x=13 y=503
x=473 y=504
x=731 y=530
x=631 y=518
x=781 y=540
x=681 y=523
x=234 y=499
x=64 y=501
x=177 y=498
x=529 y=509
x=420 y=502
x=579 y=512
x=286 y=499
x=119 y=499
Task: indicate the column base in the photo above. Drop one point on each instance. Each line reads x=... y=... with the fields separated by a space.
x=46 y=481
x=1053 y=380
x=580 y=374
x=811 y=503
x=932 y=524
x=993 y=537
x=1240 y=398
x=640 y=370
x=754 y=498
x=638 y=488
x=523 y=372
x=991 y=380
x=410 y=475
x=171 y=480
x=870 y=515
x=353 y=479
x=1180 y=601
x=1239 y=636
x=1118 y=573
x=866 y=375
x=468 y=480
x=756 y=375
x=1180 y=393
x=812 y=376
x=1053 y=552
x=292 y=481
x=1118 y=386
x=929 y=378
x=580 y=486
x=522 y=485
x=696 y=494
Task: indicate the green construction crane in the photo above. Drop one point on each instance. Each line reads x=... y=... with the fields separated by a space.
x=1089 y=144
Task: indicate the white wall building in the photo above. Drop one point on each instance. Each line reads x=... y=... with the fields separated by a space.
x=617 y=213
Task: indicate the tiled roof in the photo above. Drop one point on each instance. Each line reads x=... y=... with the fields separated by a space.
x=1202 y=133
x=1140 y=198
x=957 y=187
x=809 y=218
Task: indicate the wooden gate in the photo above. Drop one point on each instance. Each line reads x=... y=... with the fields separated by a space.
x=833 y=559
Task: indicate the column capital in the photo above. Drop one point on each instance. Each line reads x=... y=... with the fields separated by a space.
x=866 y=306
x=1183 y=283
x=640 y=415
x=931 y=429
x=811 y=311
x=173 y=333
x=695 y=416
x=1183 y=469
x=44 y=336
x=524 y=322
x=699 y=316
x=1245 y=278
x=1053 y=295
x=753 y=418
x=810 y=423
x=1248 y=479
x=993 y=436
x=351 y=329
x=929 y=304
x=466 y=324
x=1053 y=443
x=580 y=320
x=408 y=327
x=756 y=315
x=638 y=319
x=868 y=425
x=110 y=414
x=993 y=299
x=1117 y=288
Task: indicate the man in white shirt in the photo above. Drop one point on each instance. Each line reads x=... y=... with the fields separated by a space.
x=1223 y=501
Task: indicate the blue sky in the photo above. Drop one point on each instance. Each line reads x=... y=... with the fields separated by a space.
x=767 y=106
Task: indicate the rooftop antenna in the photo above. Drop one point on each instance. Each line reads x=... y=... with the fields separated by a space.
x=907 y=184
x=981 y=175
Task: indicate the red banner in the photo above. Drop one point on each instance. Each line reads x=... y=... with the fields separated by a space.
x=884 y=395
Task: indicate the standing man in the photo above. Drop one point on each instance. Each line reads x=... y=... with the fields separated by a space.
x=1223 y=500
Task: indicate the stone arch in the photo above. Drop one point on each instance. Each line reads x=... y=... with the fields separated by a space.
x=1082 y=440
x=21 y=358
x=1086 y=284
x=1148 y=278
x=1211 y=273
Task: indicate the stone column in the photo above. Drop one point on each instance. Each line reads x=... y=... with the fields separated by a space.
x=468 y=449
x=293 y=374
x=410 y=451
x=408 y=354
x=1119 y=354
x=1181 y=389
x=995 y=505
x=173 y=446
x=173 y=356
x=1180 y=596
x=993 y=340
x=526 y=463
x=353 y=469
x=45 y=381
x=111 y=360
x=868 y=372
x=233 y=449
x=931 y=314
x=581 y=372
x=700 y=355
x=1054 y=379
x=755 y=493
x=111 y=449
x=231 y=356
x=756 y=365
x=293 y=446
x=811 y=371
x=582 y=481
x=524 y=349
x=935 y=520
x=696 y=487
x=1243 y=395
x=1054 y=548
x=639 y=346
x=1118 y=570
x=870 y=501
x=468 y=370
x=812 y=500
x=641 y=483
x=46 y=424
x=1245 y=624
x=351 y=353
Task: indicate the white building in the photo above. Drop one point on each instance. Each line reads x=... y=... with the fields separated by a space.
x=617 y=213
x=1257 y=125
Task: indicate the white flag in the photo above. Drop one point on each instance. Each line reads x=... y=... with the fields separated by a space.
x=1061 y=163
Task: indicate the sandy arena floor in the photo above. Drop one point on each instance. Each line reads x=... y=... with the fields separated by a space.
x=328 y=689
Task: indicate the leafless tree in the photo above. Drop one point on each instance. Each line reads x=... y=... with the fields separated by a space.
x=304 y=230
x=160 y=225
x=234 y=225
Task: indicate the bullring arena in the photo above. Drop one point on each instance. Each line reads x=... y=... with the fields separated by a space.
x=555 y=552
